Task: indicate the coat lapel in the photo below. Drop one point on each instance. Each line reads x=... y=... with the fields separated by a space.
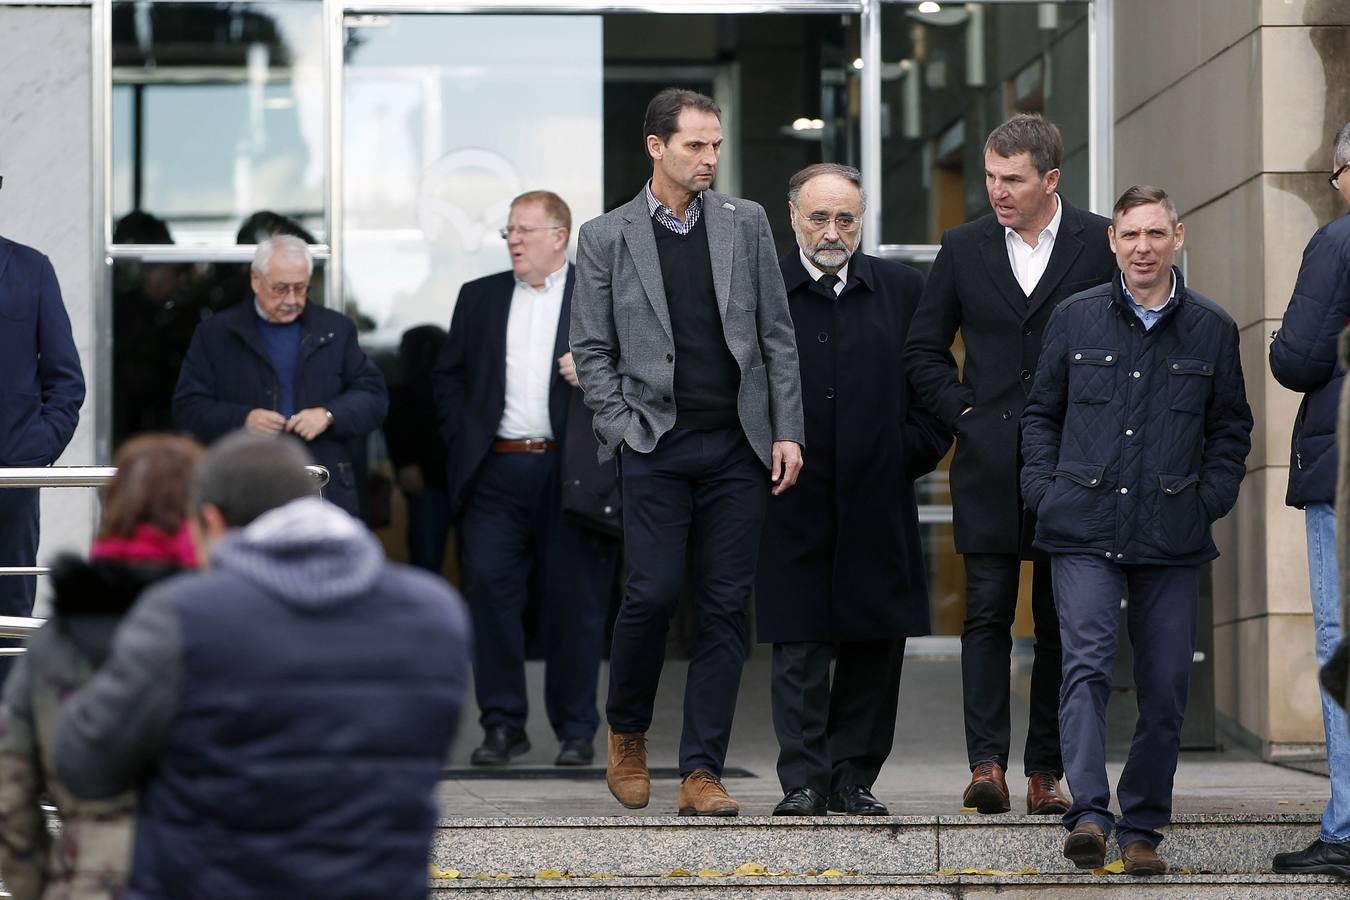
x=721 y=227
x=494 y=338
x=1067 y=248
x=994 y=252
x=642 y=247
x=559 y=391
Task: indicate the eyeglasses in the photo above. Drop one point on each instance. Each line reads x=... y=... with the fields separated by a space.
x=844 y=222
x=280 y=290
x=1335 y=176
x=523 y=230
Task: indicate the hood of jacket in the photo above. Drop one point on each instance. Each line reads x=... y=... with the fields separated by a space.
x=90 y=597
x=308 y=553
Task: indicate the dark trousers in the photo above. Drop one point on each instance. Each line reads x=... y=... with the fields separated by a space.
x=512 y=524
x=986 y=663
x=428 y=527
x=833 y=735
x=1161 y=618
x=18 y=547
x=706 y=490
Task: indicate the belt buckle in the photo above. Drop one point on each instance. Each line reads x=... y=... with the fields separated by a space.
x=535 y=445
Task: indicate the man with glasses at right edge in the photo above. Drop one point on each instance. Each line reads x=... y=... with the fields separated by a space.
x=995 y=281
x=1303 y=359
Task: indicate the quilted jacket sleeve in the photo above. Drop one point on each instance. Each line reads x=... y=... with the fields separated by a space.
x=24 y=840
x=1303 y=354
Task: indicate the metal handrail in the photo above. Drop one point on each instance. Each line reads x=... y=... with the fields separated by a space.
x=66 y=476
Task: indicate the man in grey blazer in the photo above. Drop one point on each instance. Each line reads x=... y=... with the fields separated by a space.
x=686 y=352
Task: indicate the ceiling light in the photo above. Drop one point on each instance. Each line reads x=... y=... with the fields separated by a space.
x=928 y=7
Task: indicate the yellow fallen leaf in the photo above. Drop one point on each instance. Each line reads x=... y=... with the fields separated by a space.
x=678 y=872
x=969 y=809
x=993 y=873
x=551 y=873
x=502 y=876
x=711 y=873
x=1281 y=802
x=832 y=873
x=438 y=872
x=811 y=872
x=750 y=869
x=1115 y=867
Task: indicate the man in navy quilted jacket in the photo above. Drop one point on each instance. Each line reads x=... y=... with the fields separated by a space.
x=1303 y=359
x=1135 y=439
x=285 y=713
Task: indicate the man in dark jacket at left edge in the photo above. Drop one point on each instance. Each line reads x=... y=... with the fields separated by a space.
x=43 y=389
x=276 y=364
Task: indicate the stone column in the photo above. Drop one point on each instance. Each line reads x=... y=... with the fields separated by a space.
x=1231 y=105
x=47 y=157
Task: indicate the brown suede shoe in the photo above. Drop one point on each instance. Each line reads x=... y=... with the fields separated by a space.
x=987 y=791
x=702 y=794
x=1044 y=795
x=626 y=772
x=1141 y=859
x=1086 y=846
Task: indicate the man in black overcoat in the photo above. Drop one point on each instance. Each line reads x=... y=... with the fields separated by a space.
x=995 y=281
x=841 y=570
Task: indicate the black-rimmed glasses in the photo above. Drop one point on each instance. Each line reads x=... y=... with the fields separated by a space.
x=1335 y=176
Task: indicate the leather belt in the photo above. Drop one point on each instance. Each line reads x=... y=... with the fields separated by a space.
x=523 y=445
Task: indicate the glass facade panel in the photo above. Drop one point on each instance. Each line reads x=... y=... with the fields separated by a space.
x=948 y=78
x=217 y=113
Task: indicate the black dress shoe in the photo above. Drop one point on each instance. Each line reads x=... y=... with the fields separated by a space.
x=857 y=800
x=575 y=752
x=500 y=745
x=1320 y=858
x=802 y=801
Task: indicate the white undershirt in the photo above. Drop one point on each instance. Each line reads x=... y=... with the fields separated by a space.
x=815 y=273
x=1028 y=263
x=531 y=330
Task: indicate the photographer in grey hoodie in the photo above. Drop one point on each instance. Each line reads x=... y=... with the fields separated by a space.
x=287 y=712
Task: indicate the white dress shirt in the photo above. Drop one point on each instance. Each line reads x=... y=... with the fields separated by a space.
x=531 y=330
x=815 y=273
x=1028 y=263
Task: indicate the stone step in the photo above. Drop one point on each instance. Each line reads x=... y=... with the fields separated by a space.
x=650 y=846
x=912 y=887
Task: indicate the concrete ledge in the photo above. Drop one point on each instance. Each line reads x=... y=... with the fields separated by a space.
x=882 y=846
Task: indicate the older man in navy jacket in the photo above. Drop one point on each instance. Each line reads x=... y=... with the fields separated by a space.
x=1135 y=439
x=275 y=364
x=39 y=404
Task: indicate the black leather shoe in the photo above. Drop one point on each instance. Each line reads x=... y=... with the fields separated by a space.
x=802 y=801
x=500 y=745
x=575 y=752
x=1320 y=858
x=857 y=800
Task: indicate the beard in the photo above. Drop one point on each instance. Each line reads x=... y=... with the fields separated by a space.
x=829 y=254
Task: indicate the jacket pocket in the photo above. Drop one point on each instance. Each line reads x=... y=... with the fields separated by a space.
x=1071 y=504
x=1092 y=374
x=1182 y=521
x=1188 y=383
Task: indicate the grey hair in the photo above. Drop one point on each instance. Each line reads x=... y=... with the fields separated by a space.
x=280 y=243
x=1340 y=147
x=802 y=176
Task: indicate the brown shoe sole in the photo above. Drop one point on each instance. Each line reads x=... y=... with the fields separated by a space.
x=1145 y=869
x=1085 y=851
x=721 y=811
x=627 y=804
x=986 y=798
x=1050 y=808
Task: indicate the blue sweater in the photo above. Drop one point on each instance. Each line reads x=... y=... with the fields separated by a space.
x=282 y=343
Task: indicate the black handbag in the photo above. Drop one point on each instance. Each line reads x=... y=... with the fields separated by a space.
x=591 y=491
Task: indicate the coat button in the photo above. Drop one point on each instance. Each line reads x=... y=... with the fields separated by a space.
x=1129 y=432
x=1026 y=332
x=1092 y=481
x=1124 y=490
x=823 y=337
x=1108 y=554
x=1135 y=373
x=1120 y=556
x=1108 y=359
x=1176 y=365
x=1026 y=376
x=829 y=393
x=1080 y=356
x=1007 y=414
x=609 y=510
x=670 y=357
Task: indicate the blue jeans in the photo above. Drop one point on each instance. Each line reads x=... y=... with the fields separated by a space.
x=1326 y=607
